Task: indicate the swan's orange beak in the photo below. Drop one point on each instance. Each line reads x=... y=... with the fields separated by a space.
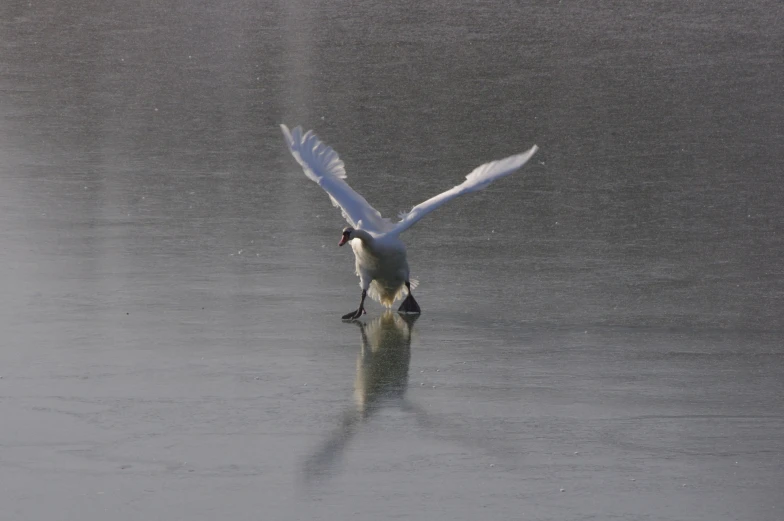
x=343 y=240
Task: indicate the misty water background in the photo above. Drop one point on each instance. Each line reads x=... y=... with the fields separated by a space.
x=601 y=335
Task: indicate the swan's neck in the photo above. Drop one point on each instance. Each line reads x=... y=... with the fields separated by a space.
x=365 y=237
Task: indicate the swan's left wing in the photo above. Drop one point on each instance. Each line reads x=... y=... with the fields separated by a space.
x=322 y=165
x=479 y=179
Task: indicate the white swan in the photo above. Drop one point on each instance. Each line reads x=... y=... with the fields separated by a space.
x=380 y=255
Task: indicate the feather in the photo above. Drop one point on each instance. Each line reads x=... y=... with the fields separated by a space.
x=478 y=179
x=323 y=166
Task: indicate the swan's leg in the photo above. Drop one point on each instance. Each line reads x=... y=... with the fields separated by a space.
x=409 y=305
x=360 y=311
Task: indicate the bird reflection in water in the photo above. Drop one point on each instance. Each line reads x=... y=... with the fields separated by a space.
x=381 y=381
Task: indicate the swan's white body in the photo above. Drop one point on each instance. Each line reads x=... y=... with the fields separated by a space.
x=380 y=255
x=382 y=267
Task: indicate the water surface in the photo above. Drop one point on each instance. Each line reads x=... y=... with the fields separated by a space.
x=601 y=335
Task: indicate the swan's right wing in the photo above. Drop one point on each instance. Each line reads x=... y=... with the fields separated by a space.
x=480 y=178
x=322 y=165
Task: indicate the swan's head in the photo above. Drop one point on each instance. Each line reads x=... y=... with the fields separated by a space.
x=348 y=234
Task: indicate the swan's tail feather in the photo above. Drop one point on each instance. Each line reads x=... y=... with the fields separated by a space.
x=387 y=297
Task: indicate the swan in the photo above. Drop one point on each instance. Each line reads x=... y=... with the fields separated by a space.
x=381 y=263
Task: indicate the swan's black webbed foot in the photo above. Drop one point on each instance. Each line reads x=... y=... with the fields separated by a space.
x=360 y=310
x=409 y=305
x=354 y=314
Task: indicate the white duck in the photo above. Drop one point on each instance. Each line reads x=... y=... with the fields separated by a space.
x=380 y=255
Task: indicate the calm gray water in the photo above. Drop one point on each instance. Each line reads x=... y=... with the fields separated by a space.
x=601 y=335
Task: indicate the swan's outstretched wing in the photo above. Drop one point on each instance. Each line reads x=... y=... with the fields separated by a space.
x=480 y=178
x=322 y=165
